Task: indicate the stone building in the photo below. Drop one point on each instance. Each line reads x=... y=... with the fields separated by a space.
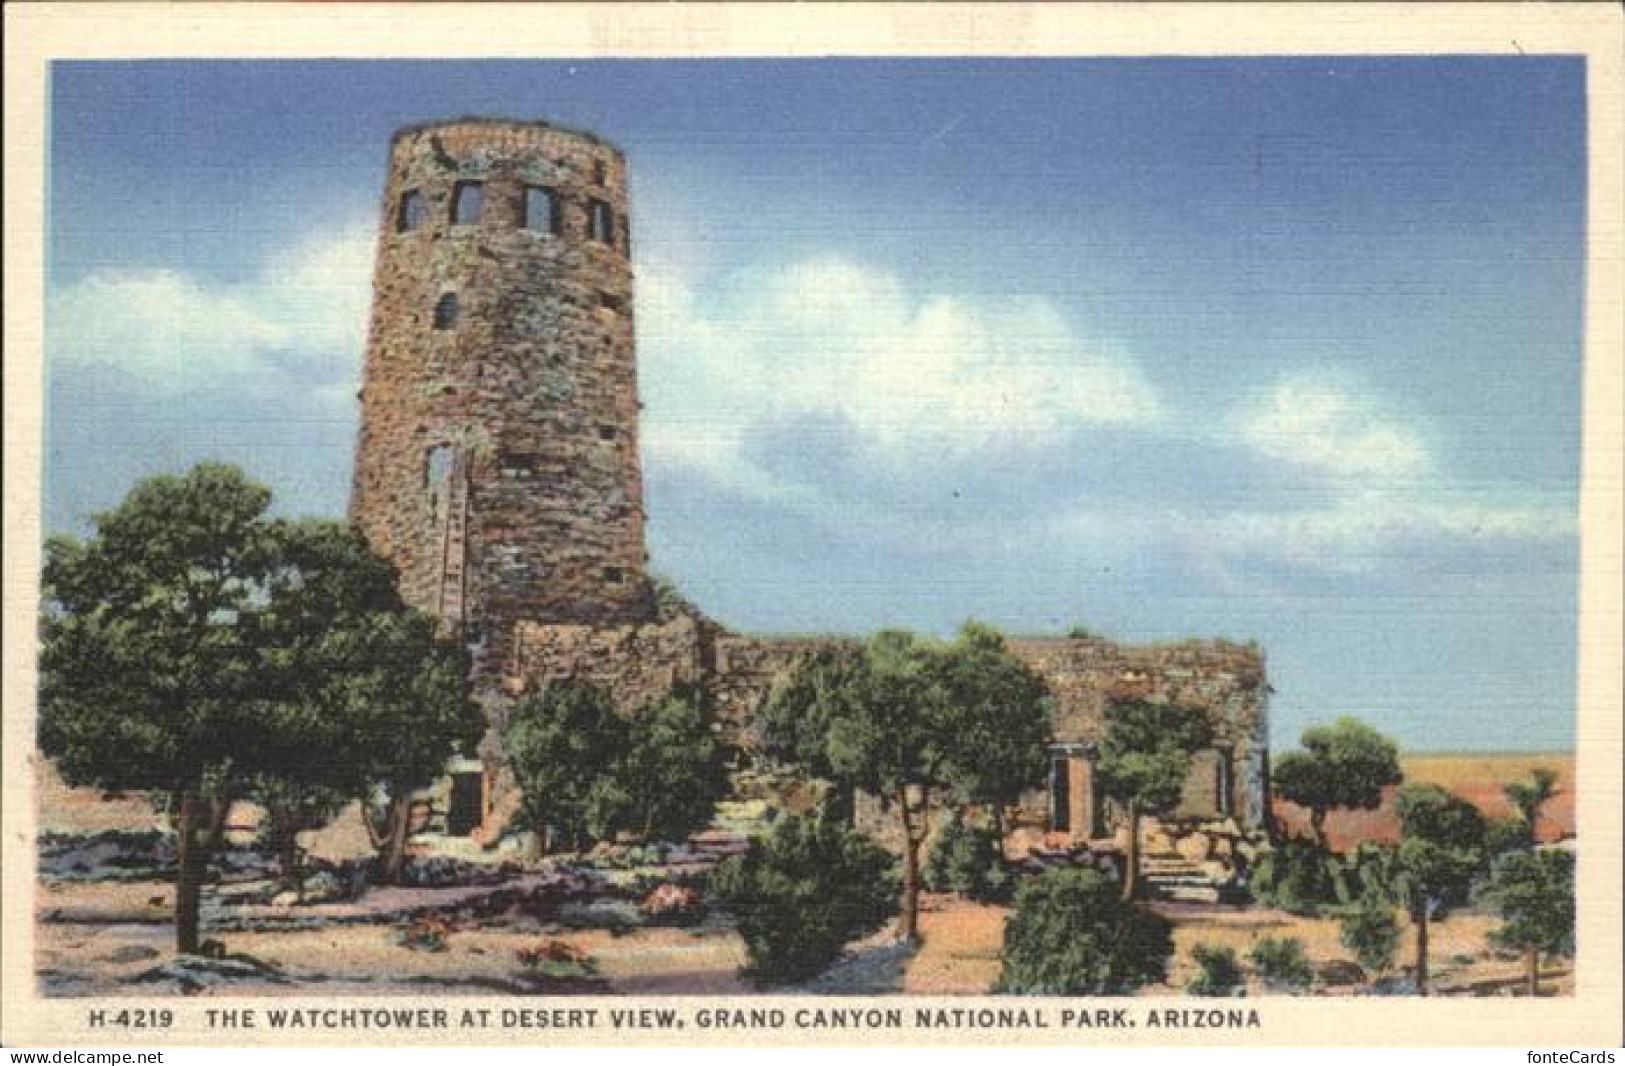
x=497 y=467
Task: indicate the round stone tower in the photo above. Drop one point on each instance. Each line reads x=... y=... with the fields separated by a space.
x=497 y=464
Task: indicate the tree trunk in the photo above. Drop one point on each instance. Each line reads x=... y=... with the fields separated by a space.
x=1131 y=860
x=998 y=827
x=1420 y=917
x=1531 y=961
x=1317 y=826
x=909 y=920
x=288 y=859
x=191 y=858
x=392 y=860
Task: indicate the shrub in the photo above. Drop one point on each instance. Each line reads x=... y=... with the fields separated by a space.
x=967 y=859
x=799 y=895
x=557 y=960
x=1218 y=972
x=673 y=904
x=1302 y=877
x=428 y=933
x=1281 y=964
x=1071 y=935
x=1371 y=932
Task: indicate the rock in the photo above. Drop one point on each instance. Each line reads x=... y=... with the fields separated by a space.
x=1195 y=847
x=132 y=953
x=1340 y=973
x=1223 y=847
x=1220 y=873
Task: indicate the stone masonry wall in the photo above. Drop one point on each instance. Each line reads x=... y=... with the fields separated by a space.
x=1224 y=680
x=497 y=463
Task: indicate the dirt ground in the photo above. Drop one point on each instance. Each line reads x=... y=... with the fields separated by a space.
x=95 y=938
x=1477 y=778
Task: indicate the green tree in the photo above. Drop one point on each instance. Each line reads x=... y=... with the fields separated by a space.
x=1142 y=764
x=674 y=772
x=1369 y=930
x=794 y=723
x=1530 y=795
x=1217 y=972
x=146 y=672
x=998 y=722
x=1533 y=891
x=968 y=859
x=1343 y=765
x=800 y=894
x=1069 y=934
x=357 y=696
x=564 y=743
x=1281 y=964
x=1440 y=851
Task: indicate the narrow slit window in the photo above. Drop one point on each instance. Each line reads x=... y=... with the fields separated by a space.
x=611 y=302
x=614 y=575
x=601 y=222
x=600 y=172
x=542 y=212
x=606 y=433
x=445 y=312
x=467 y=201
x=409 y=212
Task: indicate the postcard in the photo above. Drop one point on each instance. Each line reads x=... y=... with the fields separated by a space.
x=850 y=524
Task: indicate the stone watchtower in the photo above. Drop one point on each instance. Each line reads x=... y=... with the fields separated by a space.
x=497 y=464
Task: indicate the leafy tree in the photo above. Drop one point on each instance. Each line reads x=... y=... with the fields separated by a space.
x=1432 y=869
x=1530 y=795
x=1070 y=934
x=588 y=772
x=1369 y=930
x=146 y=672
x=795 y=721
x=1533 y=891
x=407 y=715
x=1142 y=763
x=1281 y=963
x=674 y=772
x=358 y=695
x=802 y=893
x=1344 y=765
x=564 y=743
x=968 y=859
x=1217 y=972
x=999 y=728
x=903 y=719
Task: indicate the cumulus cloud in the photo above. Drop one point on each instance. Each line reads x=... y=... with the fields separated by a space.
x=916 y=377
x=304 y=314
x=1318 y=420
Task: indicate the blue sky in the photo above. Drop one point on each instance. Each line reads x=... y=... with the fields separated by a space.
x=1263 y=348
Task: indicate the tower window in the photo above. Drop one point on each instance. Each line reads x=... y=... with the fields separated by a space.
x=467 y=200
x=409 y=212
x=606 y=432
x=542 y=212
x=611 y=302
x=445 y=312
x=601 y=222
x=614 y=575
x=600 y=173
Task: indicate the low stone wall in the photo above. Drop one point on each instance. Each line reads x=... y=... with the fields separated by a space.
x=1226 y=681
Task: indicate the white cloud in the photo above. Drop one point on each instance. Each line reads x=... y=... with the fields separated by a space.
x=305 y=310
x=914 y=376
x=1319 y=421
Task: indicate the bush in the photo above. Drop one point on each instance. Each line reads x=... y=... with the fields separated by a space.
x=1371 y=932
x=968 y=859
x=1218 y=972
x=1071 y=935
x=428 y=933
x=673 y=905
x=1302 y=877
x=556 y=960
x=799 y=895
x=1281 y=964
